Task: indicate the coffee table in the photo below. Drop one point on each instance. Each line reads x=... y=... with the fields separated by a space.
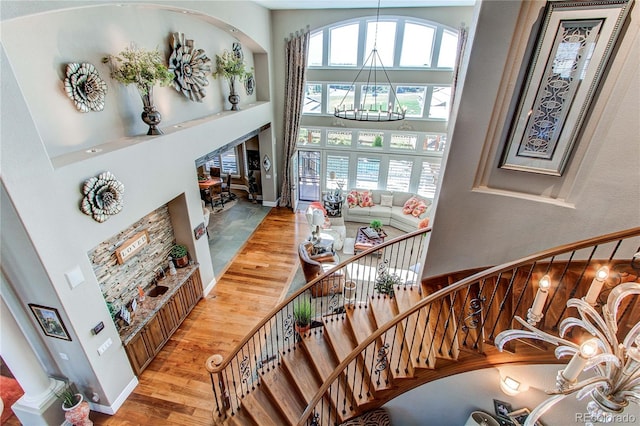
x=363 y=242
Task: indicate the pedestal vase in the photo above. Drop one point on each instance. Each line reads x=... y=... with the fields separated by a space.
x=78 y=415
x=233 y=95
x=150 y=115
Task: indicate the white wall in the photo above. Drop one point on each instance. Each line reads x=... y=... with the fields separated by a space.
x=451 y=400
x=44 y=164
x=485 y=216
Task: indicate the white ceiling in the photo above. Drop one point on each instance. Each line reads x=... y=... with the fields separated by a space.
x=358 y=4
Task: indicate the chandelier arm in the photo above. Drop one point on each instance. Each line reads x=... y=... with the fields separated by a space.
x=615 y=297
x=533 y=333
x=632 y=336
x=537 y=412
x=587 y=313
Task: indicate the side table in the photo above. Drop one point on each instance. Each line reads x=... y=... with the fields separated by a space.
x=333 y=205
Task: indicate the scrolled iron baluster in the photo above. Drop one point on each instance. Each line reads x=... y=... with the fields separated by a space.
x=382 y=361
x=288 y=328
x=471 y=321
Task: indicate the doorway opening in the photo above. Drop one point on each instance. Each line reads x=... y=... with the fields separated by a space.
x=309 y=175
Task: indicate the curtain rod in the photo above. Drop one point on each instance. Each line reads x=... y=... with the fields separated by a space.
x=297 y=33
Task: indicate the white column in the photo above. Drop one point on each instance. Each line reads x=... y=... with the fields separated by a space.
x=39 y=389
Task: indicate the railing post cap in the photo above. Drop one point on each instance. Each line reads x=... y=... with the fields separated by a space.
x=214 y=361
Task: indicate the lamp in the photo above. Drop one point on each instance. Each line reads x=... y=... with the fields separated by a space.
x=370 y=110
x=315 y=218
x=616 y=381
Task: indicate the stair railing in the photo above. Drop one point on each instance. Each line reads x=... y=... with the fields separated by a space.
x=463 y=318
x=351 y=283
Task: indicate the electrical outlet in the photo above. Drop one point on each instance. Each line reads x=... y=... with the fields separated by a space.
x=105 y=346
x=64 y=356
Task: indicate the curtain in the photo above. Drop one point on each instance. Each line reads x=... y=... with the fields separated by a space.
x=296 y=68
x=463 y=33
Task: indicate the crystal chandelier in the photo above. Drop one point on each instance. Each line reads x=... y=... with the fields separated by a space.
x=370 y=109
x=616 y=364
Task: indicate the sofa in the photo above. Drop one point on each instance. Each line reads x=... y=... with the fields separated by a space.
x=389 y=207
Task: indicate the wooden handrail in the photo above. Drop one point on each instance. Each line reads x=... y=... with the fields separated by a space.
x=440 y=294
x=213 y=363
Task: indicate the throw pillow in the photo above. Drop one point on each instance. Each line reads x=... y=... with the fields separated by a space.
x=419 y=208
x=386 y=200
x=364 y=199
x=410 y=205
x=423 y=223
x=352 y=198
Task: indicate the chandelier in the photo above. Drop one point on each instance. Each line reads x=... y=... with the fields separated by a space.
x=616 y=364
x=370 y=109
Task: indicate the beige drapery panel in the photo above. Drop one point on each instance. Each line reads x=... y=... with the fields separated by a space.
x=463 y=34
x=296 y=67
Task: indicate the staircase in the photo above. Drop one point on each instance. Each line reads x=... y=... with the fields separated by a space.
x=367 y=350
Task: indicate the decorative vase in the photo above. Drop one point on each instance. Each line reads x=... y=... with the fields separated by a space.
x=78 y=415
x=150 y=115
x=302 y=330
x=233 y=96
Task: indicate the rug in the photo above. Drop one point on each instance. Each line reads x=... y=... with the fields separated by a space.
x=299 y=281
x=227 y=205
x=10 y=391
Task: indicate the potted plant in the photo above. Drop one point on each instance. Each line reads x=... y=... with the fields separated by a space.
x=385 y=282
x=376 y=225
x=76 y=409
x=145 y=69
x=232 y=67
x=303 y=315
x=180 y=255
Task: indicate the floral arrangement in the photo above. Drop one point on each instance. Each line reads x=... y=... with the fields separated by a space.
x=231 y=66
x=144 y=68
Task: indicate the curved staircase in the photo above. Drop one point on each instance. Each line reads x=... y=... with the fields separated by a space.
x=368 y=349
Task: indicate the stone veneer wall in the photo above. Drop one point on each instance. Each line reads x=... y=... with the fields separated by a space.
x=119 y=283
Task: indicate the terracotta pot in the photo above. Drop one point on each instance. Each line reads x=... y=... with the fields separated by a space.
x=78 y=415
x=181 y=262
x=303 y=329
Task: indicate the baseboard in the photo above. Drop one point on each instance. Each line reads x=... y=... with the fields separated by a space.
x=209 y=287
x=270 y=203
x=113 y=408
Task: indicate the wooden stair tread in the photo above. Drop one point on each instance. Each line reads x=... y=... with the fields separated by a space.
x=445 y=342
x=261 y=409
x=320 y=353
x=301 y=373
x=421 y=357
x=383 y=311
x=240 y=418
x=280 y=389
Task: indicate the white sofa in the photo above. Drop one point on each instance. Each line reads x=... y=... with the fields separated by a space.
x=393 y=215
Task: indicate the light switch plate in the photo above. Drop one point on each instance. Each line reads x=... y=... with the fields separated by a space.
x=74 y=277
x=105 y=346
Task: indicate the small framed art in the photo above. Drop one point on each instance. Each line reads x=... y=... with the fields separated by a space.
x=50 y=321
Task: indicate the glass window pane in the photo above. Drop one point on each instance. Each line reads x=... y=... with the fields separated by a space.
x=229 y=162
x=399 y=176
x=374 y=98
x=339 y=165
x=340 y=95
x=412 y=98
x=343 y=49
x=370 y=139
x=315 y=50
x=417 y=45
x=309 y=136
x=338 y=138
x=440 y=102
x=429 y=178
x=385 y=42
x=435 y=143
x=448 y=48
x=312 y=99
x=367 y=173
x=402 y=141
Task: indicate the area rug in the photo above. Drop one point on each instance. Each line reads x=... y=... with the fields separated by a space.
x=10 y=391
x=227 y=205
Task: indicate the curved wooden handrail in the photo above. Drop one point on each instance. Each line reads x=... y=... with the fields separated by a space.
x=490 y=272
x=215 y=365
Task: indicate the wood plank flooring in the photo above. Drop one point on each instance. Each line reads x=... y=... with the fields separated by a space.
x=175 y=389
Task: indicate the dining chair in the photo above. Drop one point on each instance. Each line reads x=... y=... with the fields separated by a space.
x=226 y=188
x=214 y=171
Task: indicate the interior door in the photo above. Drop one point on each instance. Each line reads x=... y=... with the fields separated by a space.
x=309 y=175
x=294 y=181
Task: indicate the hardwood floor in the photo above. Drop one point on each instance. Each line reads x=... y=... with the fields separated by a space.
x=175 y=389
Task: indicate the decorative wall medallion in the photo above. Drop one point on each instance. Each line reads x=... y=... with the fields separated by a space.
x=103 y=197
x=266 y=163
x=84 y=87
x=250 y=84
x=190 y=66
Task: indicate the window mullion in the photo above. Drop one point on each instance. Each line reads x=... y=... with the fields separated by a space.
x=435 y=55
x=397 y=50
x=427 y=104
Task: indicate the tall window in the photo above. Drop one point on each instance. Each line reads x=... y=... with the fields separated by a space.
x=417 y=45
x=338 y=164
x=343 y=49
x=399 y=175
x=227 y=161
x=367 y=173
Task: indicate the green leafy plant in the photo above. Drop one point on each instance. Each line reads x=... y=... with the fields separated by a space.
x=375 y=224
x=69 y=398
x=144 y=68
x=178 y=251
x=303 y=313
x=231 y=66
x=377 y=142
x=385 y=282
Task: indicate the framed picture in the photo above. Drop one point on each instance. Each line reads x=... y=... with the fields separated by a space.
x=573 y=46
x=199 y=231
x=253 y=158
x=519 y=416
x=502 y=409
x=50 y=321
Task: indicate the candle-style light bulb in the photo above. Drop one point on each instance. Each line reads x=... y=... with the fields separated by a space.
x=535 y=312
x=587 y=349
x=596 y=285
